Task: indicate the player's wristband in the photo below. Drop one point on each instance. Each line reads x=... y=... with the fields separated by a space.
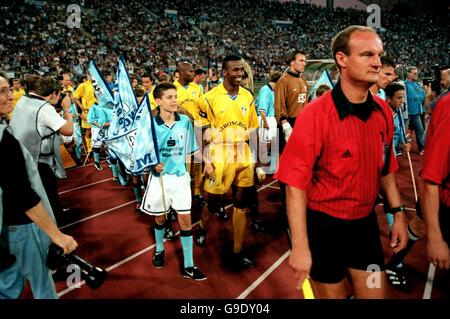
x=398 y=209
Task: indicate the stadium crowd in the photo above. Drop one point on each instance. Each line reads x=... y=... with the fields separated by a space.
x=202 y=32
x=199 y=35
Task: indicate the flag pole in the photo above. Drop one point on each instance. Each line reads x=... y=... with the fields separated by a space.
x=412 y=176
x=87 y=155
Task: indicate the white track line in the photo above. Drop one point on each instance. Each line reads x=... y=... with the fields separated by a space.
x=143 y=251
x=82 y=166
x=118 y=264
x=406 y=208
x=87 y=185
x=261 y=278
x=95 y=215
x=429 y=284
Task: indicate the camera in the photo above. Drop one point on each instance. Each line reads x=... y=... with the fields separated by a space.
x=427 y=81
x=58 y=105
x=94 y=276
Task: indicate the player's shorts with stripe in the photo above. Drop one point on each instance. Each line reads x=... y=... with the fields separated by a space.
x=233 y=165
x=177 y=193
x=338 y=244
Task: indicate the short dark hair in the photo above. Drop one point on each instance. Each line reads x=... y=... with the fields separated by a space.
x=148 y=75
x=199 y=71
x=139 y=91
x=161 y=88
x=392 y=88
x=30 y=82
x=291 y=56
x=180 y=66
x=322 y=89
x=47 y=85
x=340 y=40
x=387 y=61
x=229 y=58
x=3 y=75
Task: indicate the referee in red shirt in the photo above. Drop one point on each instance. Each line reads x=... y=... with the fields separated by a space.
x=434 y=184
x=334 y=164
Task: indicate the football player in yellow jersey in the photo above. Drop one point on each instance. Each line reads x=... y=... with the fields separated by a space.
x=188 y=93
x=17 y=92
x=231 y=112
x=66 y=83
x=200 y=79
x=148 y=82
x=84 y=98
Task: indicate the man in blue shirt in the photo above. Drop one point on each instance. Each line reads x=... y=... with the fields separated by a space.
x=169 y=184
x=415 y=98
x=266 y=117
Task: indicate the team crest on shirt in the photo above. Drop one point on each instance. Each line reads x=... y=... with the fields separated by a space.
x=212 y=181
x=301 y=98
x=244 y=110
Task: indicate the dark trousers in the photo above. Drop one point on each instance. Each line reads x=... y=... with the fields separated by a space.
x=50 y=183
x=282 y=144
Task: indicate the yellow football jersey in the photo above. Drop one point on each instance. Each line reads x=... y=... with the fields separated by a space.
x=152 y=100
x=187 y=98
x=231 y=119
x=85 y=92
x=69 y=88
x=17 y=95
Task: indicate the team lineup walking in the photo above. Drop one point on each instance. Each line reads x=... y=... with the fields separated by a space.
x=194 y=148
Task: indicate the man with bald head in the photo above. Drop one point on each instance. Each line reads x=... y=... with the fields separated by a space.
x=188 y=93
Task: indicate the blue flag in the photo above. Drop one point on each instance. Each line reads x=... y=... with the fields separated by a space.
x=145 y=150
x=126 y=104
x=324 y=79
x=101 y=88
x=138 y=148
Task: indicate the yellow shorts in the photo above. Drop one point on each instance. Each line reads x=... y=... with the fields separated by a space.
x=85 y=124
x=233 y=165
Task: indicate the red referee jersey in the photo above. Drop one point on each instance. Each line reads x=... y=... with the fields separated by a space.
x=436 y=160
x=338 y=153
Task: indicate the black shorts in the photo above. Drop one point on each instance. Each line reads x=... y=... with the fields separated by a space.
x=338 y=244
x=444 y=222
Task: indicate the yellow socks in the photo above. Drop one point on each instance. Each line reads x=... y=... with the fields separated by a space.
x=239 y=223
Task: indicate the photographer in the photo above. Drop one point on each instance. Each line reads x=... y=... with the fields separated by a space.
x=26 y=219
x=36 y=123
